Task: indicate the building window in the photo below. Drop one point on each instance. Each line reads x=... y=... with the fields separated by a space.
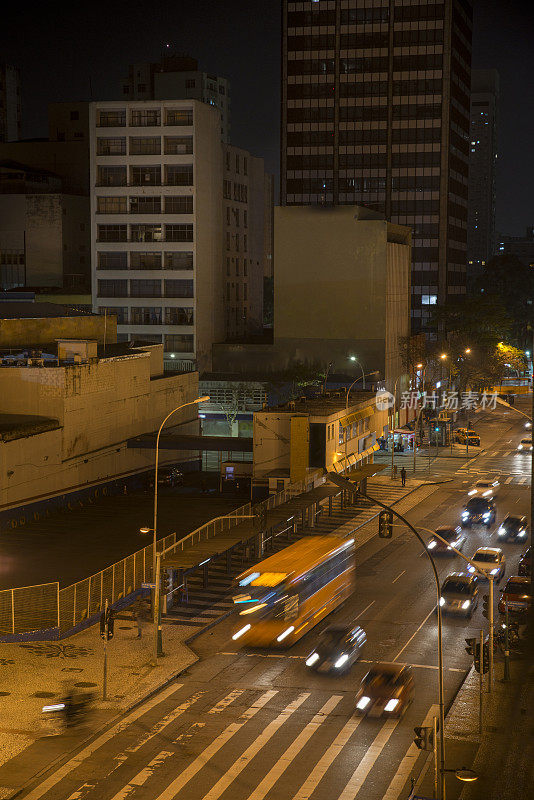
x=179 y=343
x=113 y=288
x=145 y=145
x=179 y=316
x=245 y=165
x=115 y=118
x=237 y=164
x=141 y=87
x=121 y=312
x=145 y=315
x=178 y=288
x=179 y=175
x=111 y=205
x=245 y=269
x=179 y=204
x=145 y=176
x=145 y=288
x=190 y=83
x=145 y=117
x=245 y=291
x=145 y=260
x=178 y=117
x=112 y=260
x=228 y=266
x=145 y=205
x=179 y=233
x=178 y=145
x=146 y=338
x=112 y=233
x=245 y=219
x=179 y=260
x=145 y=233
x=115 y=146
x=111 y=176
x=429 y=299
x=245 y=242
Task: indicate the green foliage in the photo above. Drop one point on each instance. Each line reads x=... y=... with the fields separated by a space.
x=511 y=283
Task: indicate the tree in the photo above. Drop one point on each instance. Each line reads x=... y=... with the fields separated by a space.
x=236 y=400
x=511 y=283
x=480 y=319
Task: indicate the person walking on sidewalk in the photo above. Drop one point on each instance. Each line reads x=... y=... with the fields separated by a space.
x=403 y=476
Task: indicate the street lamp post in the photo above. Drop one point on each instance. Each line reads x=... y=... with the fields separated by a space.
x=353 y=358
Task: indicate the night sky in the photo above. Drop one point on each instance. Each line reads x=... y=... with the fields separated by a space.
x=81 y=51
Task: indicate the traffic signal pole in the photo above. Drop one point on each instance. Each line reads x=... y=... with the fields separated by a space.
x=491 y=623
x=106 y=634
x=480 y=683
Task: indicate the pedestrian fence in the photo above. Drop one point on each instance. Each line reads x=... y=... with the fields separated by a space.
x=46 y=608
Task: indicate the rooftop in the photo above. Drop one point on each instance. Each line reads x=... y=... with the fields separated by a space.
x=324 y=405
x=22 y=309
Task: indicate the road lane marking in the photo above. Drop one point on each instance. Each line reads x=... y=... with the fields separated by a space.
x=166 y=720
x=330 y=754
x=294 y=749
x=360 y=774
x=510 y=479
x=398 y=576
x=141 y=778
x=418 y=666
x=201 y=760
x=407 y=764
x=414 y=634
x=364 y=610
x=226 y=701
x=74 y=763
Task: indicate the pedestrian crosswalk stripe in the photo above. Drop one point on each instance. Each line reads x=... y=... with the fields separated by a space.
x=407 y=764
x=330 y=754
x=166 y=720
x=142 y=776
x=254 y=748
x=360 y=774
x=293 y=750
x=198 y=763
x=225 y=702
x=510 y=479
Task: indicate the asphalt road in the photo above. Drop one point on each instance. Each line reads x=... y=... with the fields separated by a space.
x=248 y=725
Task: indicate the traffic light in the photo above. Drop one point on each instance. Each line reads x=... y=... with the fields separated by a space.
x=486 y=657
x=110 y=623
x=385 y=524
x=485 y=606
x=164 y=582
x=424 y=738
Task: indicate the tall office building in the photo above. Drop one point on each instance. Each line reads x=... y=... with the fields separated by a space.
x=375 y=112
x=10 y=103
x=177 y=77
x=482 y=168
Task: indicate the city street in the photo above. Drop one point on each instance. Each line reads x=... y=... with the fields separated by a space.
x=249 y=725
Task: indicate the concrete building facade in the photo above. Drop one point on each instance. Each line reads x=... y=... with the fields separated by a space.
x=520 y=246
x=482 y=169
x=30 y=323
x=375 y=111
x=10 y=103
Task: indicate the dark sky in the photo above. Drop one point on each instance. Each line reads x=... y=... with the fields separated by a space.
x=65 y=50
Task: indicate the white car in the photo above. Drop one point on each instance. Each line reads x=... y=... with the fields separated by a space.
x=525 y=445
x=484 y=488
x=490 y=561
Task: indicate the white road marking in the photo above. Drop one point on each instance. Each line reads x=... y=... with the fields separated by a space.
x=225 y=702
x=294 y=749
x=509 y=480
x=142 y=777
x=330 y=754
x=522 y=480
x=201 y=760
x=408 y=763
x=166 y=720
x=84 y=789
x=364 y=610
x=414 y=634
x=79 y=758
x=398 y=576
x=359 y=775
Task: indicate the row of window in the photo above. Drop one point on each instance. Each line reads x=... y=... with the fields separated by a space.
x=150 y=175
x=145 y=233
x=365 y=16
x=238 y=159
x=363 y=160
x=150 y=315
x=350 y=66
x=150 y=204
x=361 y=41
x=235 y=213
x=303 y=91
x=144 y=260
x=233 y=241
x=245 y=266
x=240 y=191
x=173 y=343
x=419 y=135
x=142 y=117
x=145 y=288
x=237 y=291
x=144 y=145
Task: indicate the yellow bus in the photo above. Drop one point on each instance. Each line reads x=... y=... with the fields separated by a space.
x=283 y=597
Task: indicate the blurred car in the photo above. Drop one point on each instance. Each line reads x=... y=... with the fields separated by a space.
x=465 y=436
x=525 y=445
x=459 y=594
x=454 y=536
x=517 y=594
x=513 y=529
x=490 y=561
x=484 y=488
x=168 y=475
x=523 y=568
x=479 y=510
x=386 y=689
x=528 y=425
x=339 y=646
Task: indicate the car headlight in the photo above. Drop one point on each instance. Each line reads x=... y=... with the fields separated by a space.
x=501 y=531
x=520 y=447
x=241 y=631
x=522 y=534
x=470 y=569
x=442 y=601
x=487 y=493
x=311 y=660
x=431 y=545
x=341 y=660
x=487 y=515
x=285 y=633
x=391 y=705
x=472 y=492
x=456 y=543
x=494 y=571
x=363 y=702
x=466 y=604
x=465 y=514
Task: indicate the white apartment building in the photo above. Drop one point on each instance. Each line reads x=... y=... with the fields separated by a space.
x=156 y=224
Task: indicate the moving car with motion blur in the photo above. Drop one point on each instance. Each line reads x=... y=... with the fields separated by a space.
x=525 y=445
x=523 y=568
x=454 y=537
x=517 y=595
x=479 y=510
x=465 y=436
x=484 y=488
x=338 y=647
x=513 y=529
x=459 y=594
x=490 y=561
x=387 y=689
